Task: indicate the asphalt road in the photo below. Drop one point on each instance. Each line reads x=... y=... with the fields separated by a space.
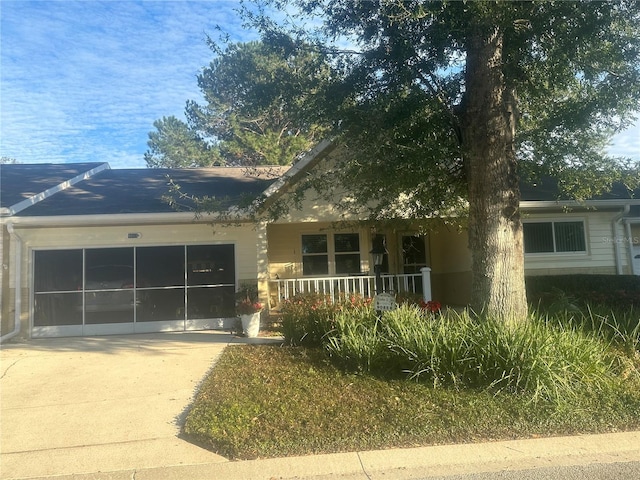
x=598 y=471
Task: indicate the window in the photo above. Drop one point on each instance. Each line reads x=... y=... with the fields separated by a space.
x=315 y=255
x=554 y=237
x=343 y=249
x=414 y=253
x=347 y=248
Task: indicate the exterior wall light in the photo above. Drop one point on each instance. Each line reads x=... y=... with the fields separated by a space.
x=378 y=252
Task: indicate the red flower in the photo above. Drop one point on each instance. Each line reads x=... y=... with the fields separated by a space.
x=430 y=306
x=246 y=307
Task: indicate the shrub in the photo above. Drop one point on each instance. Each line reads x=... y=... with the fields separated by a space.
x=619 y=291
x=307 y=318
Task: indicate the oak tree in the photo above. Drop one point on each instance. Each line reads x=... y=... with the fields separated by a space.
x=443 y=105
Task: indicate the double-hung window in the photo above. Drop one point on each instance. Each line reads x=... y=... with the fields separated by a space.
x=554 y=237
x=324 y=254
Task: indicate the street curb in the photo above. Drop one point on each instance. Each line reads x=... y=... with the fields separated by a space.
x=399 y=464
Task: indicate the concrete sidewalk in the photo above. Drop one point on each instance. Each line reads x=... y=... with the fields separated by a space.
x=111 y=408
x=405 y=464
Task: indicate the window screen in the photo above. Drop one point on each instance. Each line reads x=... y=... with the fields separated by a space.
x=315 y=255
x=554 y=237
x=347 y=252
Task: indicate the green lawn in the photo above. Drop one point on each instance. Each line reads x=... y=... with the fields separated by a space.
x=268 y=401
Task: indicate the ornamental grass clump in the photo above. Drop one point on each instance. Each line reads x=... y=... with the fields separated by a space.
x=621 y=326
x=543 y=360
x=355 y=343
x=546 y=361
x=427 y=346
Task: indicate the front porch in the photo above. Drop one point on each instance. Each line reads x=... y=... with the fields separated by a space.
x=359 y=284
x=331 y=260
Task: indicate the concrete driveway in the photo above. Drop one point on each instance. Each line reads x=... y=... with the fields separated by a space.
x=100 y=404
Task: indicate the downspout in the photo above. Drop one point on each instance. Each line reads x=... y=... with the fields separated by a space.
x=627 y=224
x=614 y=230
x=18 y=285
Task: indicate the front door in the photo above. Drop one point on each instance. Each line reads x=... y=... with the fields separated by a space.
x=414 y=257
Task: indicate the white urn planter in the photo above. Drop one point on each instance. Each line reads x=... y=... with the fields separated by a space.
x=250 y=324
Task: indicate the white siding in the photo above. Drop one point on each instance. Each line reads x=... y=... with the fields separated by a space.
x=600 y=256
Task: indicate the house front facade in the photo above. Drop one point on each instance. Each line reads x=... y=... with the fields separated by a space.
x=95 y=251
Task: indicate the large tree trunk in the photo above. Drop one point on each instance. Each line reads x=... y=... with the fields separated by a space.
x=495 y=228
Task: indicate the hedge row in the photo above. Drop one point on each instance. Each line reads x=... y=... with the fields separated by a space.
x=619 y=291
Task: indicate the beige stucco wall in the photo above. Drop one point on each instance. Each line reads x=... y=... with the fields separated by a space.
x=248 y=241
x=451 y=266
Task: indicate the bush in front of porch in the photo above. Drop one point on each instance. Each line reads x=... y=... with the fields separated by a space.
x=307 y=318
x=549 y=357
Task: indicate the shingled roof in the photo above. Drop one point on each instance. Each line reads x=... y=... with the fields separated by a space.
x=23 y=185
x=546 y=189
x=95 y=189
x=138 y=190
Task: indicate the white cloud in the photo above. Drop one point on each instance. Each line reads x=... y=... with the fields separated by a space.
x=82 y=79
x=85 y=80
x=627 y=143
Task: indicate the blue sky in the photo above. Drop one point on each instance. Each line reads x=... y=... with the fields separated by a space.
x=85 y=80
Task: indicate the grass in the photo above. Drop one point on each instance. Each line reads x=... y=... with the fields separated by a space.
x=353 y=381
x=269 y=401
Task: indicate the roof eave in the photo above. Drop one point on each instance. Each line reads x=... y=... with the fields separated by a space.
x=547 y=204
x=121 y=219
x=314 y=155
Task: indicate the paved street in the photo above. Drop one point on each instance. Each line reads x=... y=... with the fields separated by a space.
x=597 y=471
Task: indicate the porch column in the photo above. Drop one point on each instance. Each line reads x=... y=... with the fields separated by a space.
x=426 y=283
x=262 y=259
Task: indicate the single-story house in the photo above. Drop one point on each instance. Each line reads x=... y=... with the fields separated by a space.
x=90 y=250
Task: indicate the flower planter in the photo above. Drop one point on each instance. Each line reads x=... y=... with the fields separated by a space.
x=251 y=324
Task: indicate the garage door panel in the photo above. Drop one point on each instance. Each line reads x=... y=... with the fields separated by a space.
x=119 y=290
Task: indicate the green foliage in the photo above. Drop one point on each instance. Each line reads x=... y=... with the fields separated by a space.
x=571 y=78
x=355 y=341
x=307 y=318
x=621 y=326
x=256 y=95
x=256 y=98
x=174 y=145
x=614 y=291
x=608 y=305
x=548 y=358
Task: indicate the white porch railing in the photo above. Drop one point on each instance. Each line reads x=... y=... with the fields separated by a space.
x=365 y=285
